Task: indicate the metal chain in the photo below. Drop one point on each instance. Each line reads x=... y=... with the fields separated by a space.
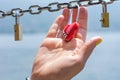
x=52 y=7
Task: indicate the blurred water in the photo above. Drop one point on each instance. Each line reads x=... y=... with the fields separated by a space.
x=16 y=58
x=104 y=63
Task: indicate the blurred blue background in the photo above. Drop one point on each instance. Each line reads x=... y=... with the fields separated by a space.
x=16 y=58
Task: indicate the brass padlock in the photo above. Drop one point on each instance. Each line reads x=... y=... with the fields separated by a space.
x=105 y=15
x=105 y=19
x=17 y=32
x=17 y=29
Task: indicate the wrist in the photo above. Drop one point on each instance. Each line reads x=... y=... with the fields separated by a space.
x=47 y=77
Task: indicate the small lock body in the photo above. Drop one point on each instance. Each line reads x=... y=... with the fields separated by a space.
x=70 y=31
x=105 y=19
x=18 y=32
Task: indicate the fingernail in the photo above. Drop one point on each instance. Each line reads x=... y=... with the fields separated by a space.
x=98 y=42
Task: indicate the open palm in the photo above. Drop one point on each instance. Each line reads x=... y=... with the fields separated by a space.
x=61 y=60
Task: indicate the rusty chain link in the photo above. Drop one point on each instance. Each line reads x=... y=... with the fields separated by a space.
x=52 y=7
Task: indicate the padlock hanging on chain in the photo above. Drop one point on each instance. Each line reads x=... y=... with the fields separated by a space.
x=105 y=16
x=17 y=29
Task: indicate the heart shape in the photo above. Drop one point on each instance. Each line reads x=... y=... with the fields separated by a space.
x=70 y=31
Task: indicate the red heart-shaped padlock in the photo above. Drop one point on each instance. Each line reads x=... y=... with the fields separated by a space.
x=70 y=31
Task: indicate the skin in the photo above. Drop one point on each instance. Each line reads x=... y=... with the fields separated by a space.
x=60 y=60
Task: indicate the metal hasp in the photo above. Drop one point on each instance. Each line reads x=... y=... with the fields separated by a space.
x=105 y=15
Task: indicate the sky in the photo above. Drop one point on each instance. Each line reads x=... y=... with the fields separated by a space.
x=41 y=22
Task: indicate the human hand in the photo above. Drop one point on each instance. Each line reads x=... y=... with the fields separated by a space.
x=61 y=60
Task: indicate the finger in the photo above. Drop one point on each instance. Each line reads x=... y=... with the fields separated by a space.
x=82 y=20
x=83 y=16
x=54 y=28
x=89 y=46
x=74 y=14
x=66 y=14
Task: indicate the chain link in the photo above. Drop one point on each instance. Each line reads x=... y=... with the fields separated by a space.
x=2 y=14
x=63 y=5
x=72 y=4
x=17 y=11
x=91 y=2
x=52 y=7
x=33 y=7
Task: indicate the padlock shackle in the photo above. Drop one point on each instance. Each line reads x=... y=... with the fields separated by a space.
x=78 y=6
x=78 y=12
x=17 y=19
x=104 y=7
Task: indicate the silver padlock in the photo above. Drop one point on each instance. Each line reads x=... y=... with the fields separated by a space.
x=105 y=15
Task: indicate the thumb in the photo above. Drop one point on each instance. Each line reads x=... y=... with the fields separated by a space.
x=89 y=46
